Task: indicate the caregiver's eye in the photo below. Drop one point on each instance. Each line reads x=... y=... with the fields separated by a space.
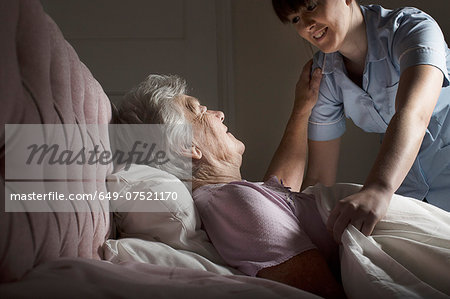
x=311 y=7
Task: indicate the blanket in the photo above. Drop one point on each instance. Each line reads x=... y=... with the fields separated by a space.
x=407 y=255
x=84 y=278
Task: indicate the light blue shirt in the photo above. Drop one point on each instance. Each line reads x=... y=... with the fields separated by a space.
x=397 y=39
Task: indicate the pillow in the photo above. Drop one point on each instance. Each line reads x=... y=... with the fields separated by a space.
x=173 y=221
x=157 y=253
x=43 y=81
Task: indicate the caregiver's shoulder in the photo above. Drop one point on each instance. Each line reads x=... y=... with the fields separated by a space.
x=389 y=17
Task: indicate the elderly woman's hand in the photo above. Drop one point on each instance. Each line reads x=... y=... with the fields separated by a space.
x=307 y=89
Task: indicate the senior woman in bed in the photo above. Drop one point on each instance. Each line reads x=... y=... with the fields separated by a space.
x=264 y=229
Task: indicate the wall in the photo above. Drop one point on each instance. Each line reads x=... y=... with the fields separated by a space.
x=268 y=59
x=124 y=41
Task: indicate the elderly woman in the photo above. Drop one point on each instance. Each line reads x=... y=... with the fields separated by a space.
x=264 y=229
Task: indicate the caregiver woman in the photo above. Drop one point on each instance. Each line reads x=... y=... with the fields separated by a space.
x=387 y=70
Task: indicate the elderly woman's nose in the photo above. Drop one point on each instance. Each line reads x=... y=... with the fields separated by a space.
x=220 y=115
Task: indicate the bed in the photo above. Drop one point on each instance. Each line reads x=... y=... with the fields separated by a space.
x=61 y=254
x=165 y=253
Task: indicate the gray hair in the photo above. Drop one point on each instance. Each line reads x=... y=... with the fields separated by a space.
x=153 y=101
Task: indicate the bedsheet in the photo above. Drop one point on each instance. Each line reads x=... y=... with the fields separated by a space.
x=407 y=255
x=84 y=278
x=158 y=253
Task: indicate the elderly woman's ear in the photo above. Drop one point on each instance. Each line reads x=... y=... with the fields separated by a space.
x=192 y=152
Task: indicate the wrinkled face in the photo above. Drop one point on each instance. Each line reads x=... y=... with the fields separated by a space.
x=323 y=23
x=211 y=136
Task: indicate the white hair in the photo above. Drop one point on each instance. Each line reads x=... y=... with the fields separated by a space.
x=153 y=101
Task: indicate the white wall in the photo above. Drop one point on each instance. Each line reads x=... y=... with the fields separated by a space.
x=122 y=42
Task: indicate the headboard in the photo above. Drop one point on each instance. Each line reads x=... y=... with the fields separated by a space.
x=43 y=81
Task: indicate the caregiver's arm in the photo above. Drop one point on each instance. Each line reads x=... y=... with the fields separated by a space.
x=417 y=94
x=288 y=162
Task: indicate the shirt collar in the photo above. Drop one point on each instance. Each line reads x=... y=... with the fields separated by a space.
x=330 y=62
x=375 y=52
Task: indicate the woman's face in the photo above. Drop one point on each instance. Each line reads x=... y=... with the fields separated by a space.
x=211 y=136
x=323 y=23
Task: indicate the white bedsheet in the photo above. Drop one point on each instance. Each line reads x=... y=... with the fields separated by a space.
x=157 y=253
x=82 y=278
x=407 y=255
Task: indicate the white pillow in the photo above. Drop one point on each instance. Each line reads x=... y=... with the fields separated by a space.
x=129 y=249
x=173 y=222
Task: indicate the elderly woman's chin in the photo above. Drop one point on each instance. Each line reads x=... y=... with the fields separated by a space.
x=240 y=146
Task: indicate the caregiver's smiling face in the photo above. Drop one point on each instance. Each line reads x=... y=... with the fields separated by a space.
x=323 y=23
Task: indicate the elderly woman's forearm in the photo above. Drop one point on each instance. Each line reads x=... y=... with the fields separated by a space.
x=323 y=157
x=289 y=160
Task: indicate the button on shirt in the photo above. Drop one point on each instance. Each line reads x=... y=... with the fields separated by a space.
x=397 y=39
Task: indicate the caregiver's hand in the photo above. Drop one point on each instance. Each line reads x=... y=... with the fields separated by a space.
x=363 y=210
x=307 y=89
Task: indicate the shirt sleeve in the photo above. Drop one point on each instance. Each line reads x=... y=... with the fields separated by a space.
x=418 y=40
x=250 y=231
x=327 y=121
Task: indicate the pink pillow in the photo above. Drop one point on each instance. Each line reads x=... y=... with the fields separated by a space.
x=43 y=81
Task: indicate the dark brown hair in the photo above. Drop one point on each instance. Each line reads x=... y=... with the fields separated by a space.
x=283 y=8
